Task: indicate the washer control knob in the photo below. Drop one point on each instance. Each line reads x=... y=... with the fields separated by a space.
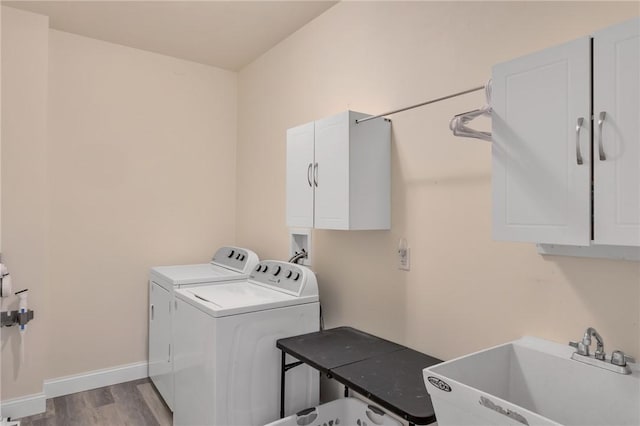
x=289 y=273
x=258 y=267
x=242 y=257
x=238 y=256
x=296 y=276
x=231 y=253
x=265 y=268
x=277 y=271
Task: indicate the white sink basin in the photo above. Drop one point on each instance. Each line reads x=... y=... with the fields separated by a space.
x=531 y=381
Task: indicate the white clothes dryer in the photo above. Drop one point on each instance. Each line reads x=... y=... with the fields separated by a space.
x=227 y=265
x=227 y=366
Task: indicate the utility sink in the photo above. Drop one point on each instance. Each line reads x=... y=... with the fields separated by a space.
x=531 y=381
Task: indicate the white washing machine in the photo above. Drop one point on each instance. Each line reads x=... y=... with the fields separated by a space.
x=227 y=366
x=228 y=264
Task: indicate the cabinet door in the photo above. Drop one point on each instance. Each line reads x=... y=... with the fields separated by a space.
x=160 y=362
x=332 y=172
x=616 y=67
x=541 y=146
x=300 y=176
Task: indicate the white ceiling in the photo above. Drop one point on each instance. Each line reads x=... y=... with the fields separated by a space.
x=225 y=34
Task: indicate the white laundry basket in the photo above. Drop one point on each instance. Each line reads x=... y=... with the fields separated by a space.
x=341 y=412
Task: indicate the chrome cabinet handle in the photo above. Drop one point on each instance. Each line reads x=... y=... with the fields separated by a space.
x=578 y=153
x=309 y=174
x=601 y=118
x=315 y=175
x=152 y=313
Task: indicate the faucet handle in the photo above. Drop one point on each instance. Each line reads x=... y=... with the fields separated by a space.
x=581 y=348
x=619 y=358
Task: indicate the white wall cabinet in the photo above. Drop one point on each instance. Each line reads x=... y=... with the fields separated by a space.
x=551 y=182
x=300 y=168
x=616 y=157
x=160 y=365
x=339 y=173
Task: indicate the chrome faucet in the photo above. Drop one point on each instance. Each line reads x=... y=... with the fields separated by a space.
x=586 y=340
x=617 y=363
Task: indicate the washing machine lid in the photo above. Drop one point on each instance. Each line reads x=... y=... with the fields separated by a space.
x=237 y=298
x=194 y=274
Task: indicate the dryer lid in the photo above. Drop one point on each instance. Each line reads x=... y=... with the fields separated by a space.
x=229 y=263
x=193 y=274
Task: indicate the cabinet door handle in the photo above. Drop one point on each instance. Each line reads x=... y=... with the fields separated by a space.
x=152 y=313
x=309 y=174
x=601 y=118
x=578 y=153
x=315 y=175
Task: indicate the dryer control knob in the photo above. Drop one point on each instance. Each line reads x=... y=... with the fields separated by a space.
x=265 y=268
x=231 y=253
x=289 y=273
x=277 y=271
x=296 y=276
x=258 y=267
x=238 y=256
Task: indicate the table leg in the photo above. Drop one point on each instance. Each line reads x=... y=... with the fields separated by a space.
x=282 y=372
x=284 y=367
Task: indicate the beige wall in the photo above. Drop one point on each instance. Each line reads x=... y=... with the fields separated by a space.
x=141 y=159
x=464 y=291
x=136 y=168
x=24 y=192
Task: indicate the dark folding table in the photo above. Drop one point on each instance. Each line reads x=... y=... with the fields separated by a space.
x=385 y=372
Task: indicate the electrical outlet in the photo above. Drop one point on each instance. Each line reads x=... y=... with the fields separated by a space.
x=404 y=259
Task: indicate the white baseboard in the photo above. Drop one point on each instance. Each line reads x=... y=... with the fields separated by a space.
x=95 y=379
x=37 y=403
x=24 y=406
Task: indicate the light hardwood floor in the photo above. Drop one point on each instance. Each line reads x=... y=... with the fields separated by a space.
x=134 y=403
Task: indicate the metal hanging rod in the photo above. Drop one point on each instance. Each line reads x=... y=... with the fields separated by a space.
x=464 y=92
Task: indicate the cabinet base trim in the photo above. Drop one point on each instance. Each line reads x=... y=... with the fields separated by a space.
x=602 y=252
